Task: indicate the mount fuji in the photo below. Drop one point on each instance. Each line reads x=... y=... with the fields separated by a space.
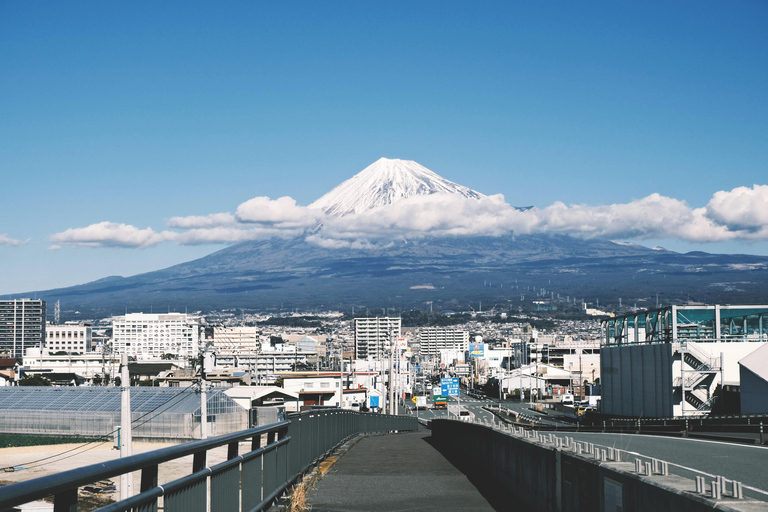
x=386 y=182
x=447 y=271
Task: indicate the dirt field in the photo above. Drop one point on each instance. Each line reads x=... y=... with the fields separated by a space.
x=46 y=460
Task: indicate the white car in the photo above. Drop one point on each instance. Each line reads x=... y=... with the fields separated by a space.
x=465 y=415
x=567 y=399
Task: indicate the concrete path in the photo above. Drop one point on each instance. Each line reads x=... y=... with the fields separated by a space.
x=401 y=472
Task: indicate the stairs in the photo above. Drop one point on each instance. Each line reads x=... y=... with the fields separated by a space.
x=698 y=375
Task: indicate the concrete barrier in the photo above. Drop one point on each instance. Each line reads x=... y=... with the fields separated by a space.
x=558 y=475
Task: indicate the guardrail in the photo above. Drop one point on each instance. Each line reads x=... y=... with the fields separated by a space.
x=751 y=430
x=541 y=470
x=248 y=482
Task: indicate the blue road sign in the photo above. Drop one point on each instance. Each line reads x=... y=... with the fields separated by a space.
x=449 y=387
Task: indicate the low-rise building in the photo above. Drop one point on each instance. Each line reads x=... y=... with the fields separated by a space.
x=70 y=337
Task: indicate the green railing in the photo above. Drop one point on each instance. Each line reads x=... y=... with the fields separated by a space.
x=251 y=481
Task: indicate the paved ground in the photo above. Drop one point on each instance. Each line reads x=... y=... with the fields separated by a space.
x=401 y=472
x=746 y=463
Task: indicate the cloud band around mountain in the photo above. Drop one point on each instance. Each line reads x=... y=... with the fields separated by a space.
x=738 y=214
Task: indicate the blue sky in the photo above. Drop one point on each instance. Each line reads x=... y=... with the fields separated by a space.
x=137 y=112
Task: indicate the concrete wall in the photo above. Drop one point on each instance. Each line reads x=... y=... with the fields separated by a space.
x=547 y=479
x=637 y=380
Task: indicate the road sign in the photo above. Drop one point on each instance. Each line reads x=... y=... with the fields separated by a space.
x=449 y=387
x=414 y=399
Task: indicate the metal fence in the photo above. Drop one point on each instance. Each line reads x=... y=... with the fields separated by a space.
x=248 y=482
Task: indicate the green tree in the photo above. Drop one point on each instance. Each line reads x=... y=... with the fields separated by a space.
x=169 y=357
x=34 y=380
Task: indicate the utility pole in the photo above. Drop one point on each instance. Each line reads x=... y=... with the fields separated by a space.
x=341 y=379
x=203 y=400
x=391 y=372
x=126 y=443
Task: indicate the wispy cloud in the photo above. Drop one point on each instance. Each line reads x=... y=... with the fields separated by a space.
x=202 y=221
x=6 y=240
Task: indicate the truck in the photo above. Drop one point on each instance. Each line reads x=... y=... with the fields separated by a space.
x=421 y=402
x=441 y=402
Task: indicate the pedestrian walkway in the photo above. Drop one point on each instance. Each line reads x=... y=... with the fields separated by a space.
x=400 y=472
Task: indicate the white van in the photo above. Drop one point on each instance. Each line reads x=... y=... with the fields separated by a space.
x=567 y=399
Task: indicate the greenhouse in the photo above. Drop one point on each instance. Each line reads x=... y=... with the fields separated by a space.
x=156 y=413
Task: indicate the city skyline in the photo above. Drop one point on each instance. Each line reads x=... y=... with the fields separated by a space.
x=112 y=116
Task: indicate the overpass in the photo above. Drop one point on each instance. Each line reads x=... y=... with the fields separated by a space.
x=482 y=465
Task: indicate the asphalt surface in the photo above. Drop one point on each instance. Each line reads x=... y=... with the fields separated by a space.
x=745 y=463
x=401 y=472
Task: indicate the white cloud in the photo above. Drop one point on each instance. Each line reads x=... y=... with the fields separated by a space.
x=739 y=214
x=202 y=221
x=281 y=212
x=655 y=216
x=109 y=234
x=5 y=240
x=741 y=209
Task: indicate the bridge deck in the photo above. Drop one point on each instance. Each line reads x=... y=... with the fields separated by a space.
x=400 y=472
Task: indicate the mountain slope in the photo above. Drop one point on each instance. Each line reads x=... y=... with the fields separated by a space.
x=447 y=271
x=385 y=182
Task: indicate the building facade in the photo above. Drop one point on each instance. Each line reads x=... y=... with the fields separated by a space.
x=674 y=361
x=70 y=338
x=373 y=335
x=434 y=339
x=149 y=336
x=22 y=326
x=236 y=340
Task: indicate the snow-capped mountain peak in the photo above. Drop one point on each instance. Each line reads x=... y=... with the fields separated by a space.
x=385 y=182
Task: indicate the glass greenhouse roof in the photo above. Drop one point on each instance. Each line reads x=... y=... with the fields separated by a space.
x=107 y=399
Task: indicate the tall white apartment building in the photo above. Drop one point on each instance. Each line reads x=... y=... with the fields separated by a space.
x=434 y=339
x=22 y=326
x=71 y=338
x=372 y=336
x=149 y=336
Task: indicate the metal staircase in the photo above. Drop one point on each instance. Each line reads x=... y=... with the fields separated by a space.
x=699 y=371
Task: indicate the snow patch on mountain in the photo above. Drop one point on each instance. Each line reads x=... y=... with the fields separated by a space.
x=386 y=182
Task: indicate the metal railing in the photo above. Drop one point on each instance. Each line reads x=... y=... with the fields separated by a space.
x=248 y=482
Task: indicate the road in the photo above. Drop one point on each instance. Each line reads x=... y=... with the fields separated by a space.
x=745 y=463
x=475 y=406
x=402 y=472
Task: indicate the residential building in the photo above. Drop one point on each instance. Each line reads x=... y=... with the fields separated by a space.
x=149 y=336
x=22 y=326
x=236 y=340
x=373 y=336
x=434 y=339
